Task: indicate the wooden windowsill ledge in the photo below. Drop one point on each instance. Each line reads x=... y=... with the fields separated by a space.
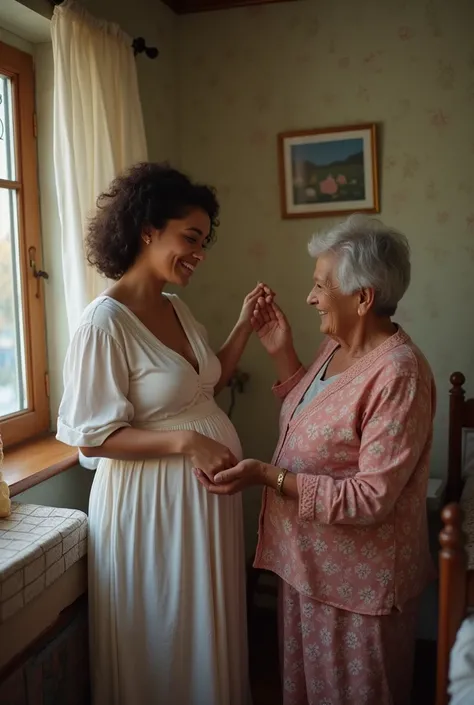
x=34 y=461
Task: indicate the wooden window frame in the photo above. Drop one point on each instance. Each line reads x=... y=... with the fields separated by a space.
x=23 y=425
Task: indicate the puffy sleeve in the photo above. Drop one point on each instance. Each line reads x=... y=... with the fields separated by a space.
x=96 y=381
x=396 y=431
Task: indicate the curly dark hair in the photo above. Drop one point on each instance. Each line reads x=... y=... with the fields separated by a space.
x=146 y=195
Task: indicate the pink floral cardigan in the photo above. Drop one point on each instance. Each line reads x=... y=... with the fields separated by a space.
x=357 y=537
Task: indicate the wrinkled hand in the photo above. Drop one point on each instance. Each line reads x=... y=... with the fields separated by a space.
x=247 y=473
x=250 y=302
x=271 y=326
x=209 y=456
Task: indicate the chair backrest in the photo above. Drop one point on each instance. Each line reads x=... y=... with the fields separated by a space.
x=452 y=599
x=461 y=416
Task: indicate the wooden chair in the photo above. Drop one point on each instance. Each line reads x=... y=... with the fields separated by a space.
x=456 y=583
x=461 y=416
x=456 y=593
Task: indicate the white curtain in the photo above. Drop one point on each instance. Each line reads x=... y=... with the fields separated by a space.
x=98 y=132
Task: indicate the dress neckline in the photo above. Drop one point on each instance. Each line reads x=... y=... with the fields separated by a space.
x=153 y=339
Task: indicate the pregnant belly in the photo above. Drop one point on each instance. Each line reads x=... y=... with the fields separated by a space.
x=166 y=482
x=206 y=418
x=221 y=429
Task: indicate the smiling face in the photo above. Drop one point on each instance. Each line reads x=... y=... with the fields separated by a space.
x=174 y=252
x=339 y=312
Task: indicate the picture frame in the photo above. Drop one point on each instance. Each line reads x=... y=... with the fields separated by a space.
x=329 y=171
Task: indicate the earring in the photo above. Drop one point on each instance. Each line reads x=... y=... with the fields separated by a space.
x=146 y=240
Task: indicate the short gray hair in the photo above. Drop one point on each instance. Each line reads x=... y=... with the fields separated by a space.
x=369 y=254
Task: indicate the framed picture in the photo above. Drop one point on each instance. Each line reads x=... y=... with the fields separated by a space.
x=328 y=171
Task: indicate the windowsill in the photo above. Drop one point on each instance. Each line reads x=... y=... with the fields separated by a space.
x=35 y=461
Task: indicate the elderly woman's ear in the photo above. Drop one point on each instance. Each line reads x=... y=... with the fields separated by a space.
x=366 y=301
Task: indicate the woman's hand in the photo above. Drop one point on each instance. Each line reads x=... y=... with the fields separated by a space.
x=261 y=291
x=208 y=455
x=271 y=326
x=247 y=473
x=231 y=352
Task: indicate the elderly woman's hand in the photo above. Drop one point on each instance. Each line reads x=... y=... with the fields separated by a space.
x=247 y=473
x=271 y=326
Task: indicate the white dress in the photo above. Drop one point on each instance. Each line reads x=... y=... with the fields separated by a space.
x=166 y=559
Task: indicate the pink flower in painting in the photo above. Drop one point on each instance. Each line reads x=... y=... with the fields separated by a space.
x=328 y=186
x=341 y=180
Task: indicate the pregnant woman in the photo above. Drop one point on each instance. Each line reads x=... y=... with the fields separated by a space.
x=166 y=559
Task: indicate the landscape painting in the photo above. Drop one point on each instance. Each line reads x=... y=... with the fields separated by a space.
x=330 y=171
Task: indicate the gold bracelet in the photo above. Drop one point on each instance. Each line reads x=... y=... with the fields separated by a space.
x=280 y=481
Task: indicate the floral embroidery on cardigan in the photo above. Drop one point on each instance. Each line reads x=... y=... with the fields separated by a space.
x=357 y=537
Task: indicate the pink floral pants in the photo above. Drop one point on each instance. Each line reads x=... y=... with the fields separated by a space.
x=333 y=657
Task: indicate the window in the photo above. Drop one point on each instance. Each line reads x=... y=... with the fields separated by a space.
x=24 y=408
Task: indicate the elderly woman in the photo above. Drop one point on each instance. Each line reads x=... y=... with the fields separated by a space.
x=343 y=521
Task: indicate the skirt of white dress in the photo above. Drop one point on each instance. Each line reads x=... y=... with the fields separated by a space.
x=167 y=581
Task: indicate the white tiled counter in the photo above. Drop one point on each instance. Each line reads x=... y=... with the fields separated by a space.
x=42 y=571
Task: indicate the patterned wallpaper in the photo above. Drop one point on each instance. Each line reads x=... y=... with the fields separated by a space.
x=227 y=82
x=245 y=75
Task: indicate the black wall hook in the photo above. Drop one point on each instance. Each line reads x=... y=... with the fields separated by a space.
x=139 y=47
x=138 y=44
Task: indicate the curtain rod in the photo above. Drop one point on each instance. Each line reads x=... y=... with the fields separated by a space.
x=138 y=44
